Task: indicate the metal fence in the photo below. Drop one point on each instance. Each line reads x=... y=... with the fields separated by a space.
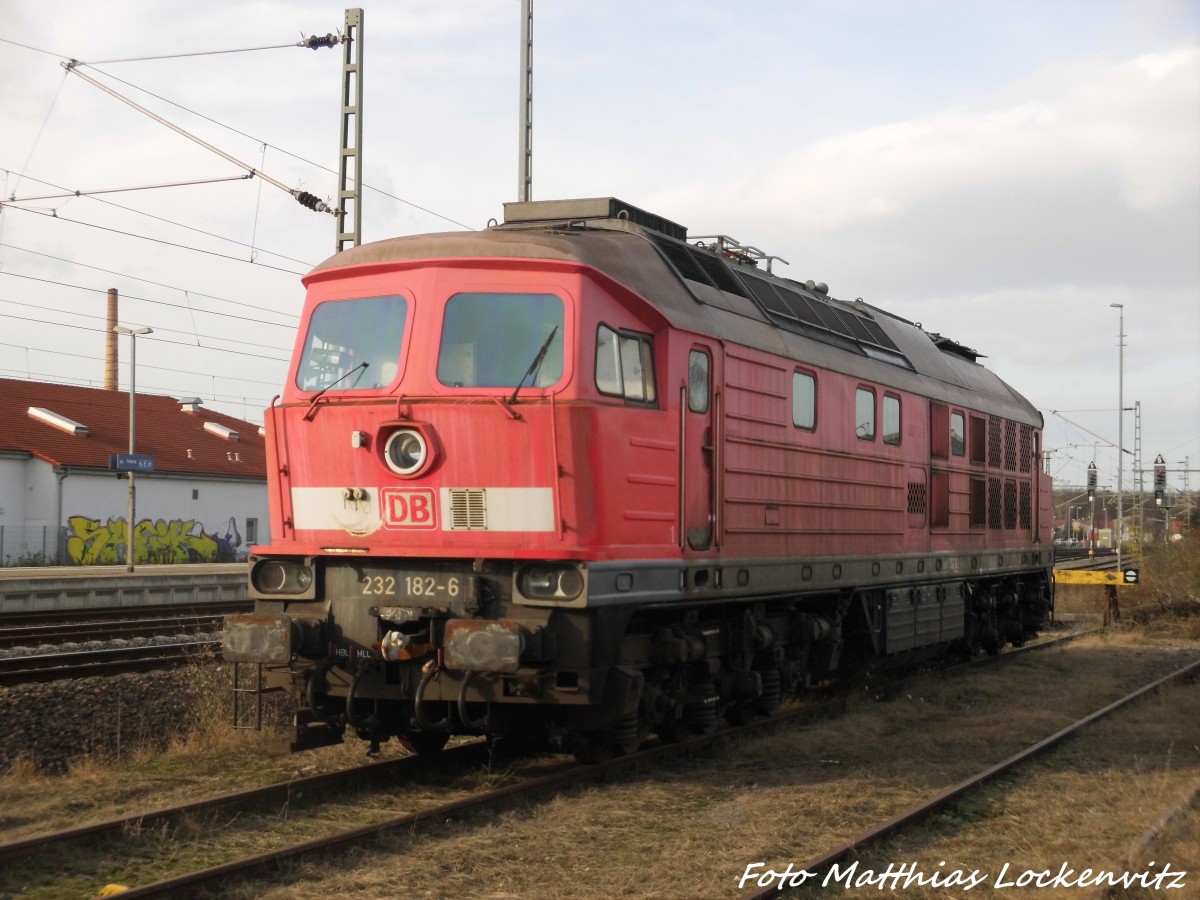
x=33 y=545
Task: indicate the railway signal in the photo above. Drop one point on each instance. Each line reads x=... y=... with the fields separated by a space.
x=1091 y=482
x=1160 y=481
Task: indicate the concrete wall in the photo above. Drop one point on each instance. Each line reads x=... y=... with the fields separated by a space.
x=12 y=488
x=179 y=518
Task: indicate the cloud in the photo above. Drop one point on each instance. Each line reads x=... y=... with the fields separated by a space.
x=1045 y=182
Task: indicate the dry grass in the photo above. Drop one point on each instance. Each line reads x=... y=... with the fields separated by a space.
x=690 y=828
x=1167 y=599
x=1086 y=805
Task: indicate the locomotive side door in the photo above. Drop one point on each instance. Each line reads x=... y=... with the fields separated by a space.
x=699 y=411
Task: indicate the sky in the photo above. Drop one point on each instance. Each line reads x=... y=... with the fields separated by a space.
x=1001 y=171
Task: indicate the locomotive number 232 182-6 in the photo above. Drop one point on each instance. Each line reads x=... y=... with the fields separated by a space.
x=414 y=585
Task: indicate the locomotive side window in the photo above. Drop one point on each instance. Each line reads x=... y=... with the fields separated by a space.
x=495 y=340
x=353 y=345
x=958 y=434
x=864 y=414
x=804 y=400
x=698 y=368
x=891 y=419
x=625 y=365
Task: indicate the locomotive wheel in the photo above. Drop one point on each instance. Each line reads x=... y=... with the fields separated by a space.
x=619 y=739
x=673 y=731
x=744 y=715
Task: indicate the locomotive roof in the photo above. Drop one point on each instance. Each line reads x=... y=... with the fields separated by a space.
x=719 y=294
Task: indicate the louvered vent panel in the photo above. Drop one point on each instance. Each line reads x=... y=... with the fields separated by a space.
x=683 y=260
x=765 y=293
x=719 y=275
x=468 y=509
x=1010 y=505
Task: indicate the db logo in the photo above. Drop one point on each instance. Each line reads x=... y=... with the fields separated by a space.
x=409 y=508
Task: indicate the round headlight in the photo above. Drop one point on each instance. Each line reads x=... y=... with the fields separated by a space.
x=281 y=576
x=271 y=576
x=551 y=583
x=406 y=451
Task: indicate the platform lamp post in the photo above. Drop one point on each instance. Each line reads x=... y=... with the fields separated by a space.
x=1120 y=307
x=130 y=521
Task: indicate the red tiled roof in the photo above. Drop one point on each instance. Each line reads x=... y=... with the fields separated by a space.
x=164 y=430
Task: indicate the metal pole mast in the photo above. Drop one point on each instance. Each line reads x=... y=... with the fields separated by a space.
x=1120 y=307
x=130 y=521
x=1137 y=469
x=525 y=164
x=350 y=166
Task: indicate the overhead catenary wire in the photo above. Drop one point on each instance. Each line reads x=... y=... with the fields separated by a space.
x=313 y=42
x=250 y=172
x=294 y=156
x=128 y=297
x=304 y=198
x=241 y=353
x=54 y=215
x=256 y=251
x=157 y=328
x=143 y=187
x=141 y=365
x=172 y=287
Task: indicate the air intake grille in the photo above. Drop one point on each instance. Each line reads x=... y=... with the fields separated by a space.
x=468 y=509
x=785 y=305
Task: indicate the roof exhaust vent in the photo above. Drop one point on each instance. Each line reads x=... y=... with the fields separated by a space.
x=191 y=405
x=221 y=431
x=550 y=212
x=54 y=420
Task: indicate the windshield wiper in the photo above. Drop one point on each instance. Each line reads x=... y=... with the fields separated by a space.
x=535 y=365
x=312 y=404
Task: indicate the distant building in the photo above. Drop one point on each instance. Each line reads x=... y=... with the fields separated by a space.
x=62 y=501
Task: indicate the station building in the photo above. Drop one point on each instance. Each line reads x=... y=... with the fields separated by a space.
x=200 y=478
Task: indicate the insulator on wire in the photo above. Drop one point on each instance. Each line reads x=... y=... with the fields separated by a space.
x=315 y=42
x=311 y=201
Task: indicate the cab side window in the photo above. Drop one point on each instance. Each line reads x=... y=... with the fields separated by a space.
x=864 y=414
x=625 y=365
x=804 y=400
x=698 y=369
x=891 y=419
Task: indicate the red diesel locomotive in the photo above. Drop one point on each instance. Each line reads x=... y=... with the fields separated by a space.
x=575 y=475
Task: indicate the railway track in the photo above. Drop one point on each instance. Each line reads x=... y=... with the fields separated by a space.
x=113 y=623
x=176 y=634
x=819 y=868
x=41 y=667
x=542 y=777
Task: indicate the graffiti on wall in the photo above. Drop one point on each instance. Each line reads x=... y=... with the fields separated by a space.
x=93 y=543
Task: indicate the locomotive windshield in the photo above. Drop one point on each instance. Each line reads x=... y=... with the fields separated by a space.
x=353 y=345
x=489 y=340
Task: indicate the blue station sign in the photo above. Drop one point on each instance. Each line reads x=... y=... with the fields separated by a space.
x=131 y=462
